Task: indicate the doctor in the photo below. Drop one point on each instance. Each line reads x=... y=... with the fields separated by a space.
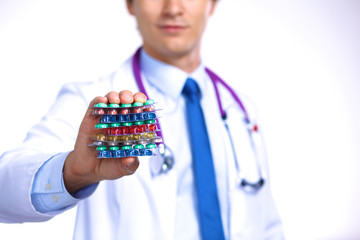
x=55 y=170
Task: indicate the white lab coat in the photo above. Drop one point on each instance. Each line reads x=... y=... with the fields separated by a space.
x=140 y=206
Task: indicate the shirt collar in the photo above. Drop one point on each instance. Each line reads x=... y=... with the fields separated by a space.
x=169 y=79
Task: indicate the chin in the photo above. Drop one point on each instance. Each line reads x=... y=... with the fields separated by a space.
x=177 y=49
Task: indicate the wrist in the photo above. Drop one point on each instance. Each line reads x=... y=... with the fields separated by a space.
x=74 y=180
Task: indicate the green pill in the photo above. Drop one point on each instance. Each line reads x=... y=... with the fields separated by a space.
x=114 y=105
x=137 y=104
x=115 y=125
x=126 y=147
x=114 y=148
x=150 y=121
x=127 y=124
x=100 y=105
x=139 y=146
x=126 y=105
x=101 y=125
x=102 y=148
x=151 y=145
x=149 y=102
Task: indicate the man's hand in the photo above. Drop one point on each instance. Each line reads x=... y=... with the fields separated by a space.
x=82 y=167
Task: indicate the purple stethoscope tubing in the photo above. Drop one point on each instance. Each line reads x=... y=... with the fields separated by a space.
x=214 y=79
x=247 y=186
x=252 y=187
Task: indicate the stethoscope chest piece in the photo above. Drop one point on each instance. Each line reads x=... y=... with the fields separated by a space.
x=251 y=187
x=163 y=162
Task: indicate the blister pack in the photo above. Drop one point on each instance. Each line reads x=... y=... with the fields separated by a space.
x=127 y=130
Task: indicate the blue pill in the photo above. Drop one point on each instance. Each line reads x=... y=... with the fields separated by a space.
x=103 y=119
x=104 y=154
x=107 y=119
x=127 y=153
x=133 y=153
x=112 y=119
x=124 y=118
x=148 y=152
x=145 y=152
x=119 y=153
x=142 y=152
x=137 y=117
x=149 y=115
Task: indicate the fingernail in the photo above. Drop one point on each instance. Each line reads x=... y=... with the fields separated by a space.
x=130 y=172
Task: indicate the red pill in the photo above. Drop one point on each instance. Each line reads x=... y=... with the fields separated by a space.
x=136 y=129
x=124 y=130
x=149 y=108
x=116 y=131
x=152 y=127
x=99 y=111
x=112 y=112
x=124 y=111
x=142 y=128
x=136 y=110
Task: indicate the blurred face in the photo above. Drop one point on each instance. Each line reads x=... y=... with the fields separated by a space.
x=171 y=28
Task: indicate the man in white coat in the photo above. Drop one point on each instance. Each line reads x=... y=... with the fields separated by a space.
x=55 y=170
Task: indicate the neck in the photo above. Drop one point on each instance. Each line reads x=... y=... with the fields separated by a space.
x=187 y=62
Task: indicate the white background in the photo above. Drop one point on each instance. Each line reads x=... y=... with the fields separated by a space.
x=299 y=61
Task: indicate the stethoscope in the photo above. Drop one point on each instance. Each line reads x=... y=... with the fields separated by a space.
x=166 y=153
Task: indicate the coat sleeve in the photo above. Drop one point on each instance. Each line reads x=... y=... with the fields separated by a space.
x=54 y=135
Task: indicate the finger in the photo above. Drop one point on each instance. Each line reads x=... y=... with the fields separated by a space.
x=96 y=100
x=89 y=120
x=131 y=164
x=140 y=97
x=127 y=161
x=113 y=97
x=126 y=96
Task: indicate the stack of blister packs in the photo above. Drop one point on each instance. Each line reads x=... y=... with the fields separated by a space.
x=128 y=130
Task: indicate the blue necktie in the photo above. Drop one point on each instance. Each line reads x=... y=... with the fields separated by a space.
x=208 y=202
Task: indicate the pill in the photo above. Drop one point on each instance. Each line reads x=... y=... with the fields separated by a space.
x=152 y=127
x=138 y=146
x=101 y=125
x=100 y=137
x=150 y=135
x=124 y=111
x=112 y=112
x=101 y=105
x=137 y=137
x=126 y=105
x=151 y=145
x=138 y=104
x=114 y=105
x=99 y=111
x=136 y=110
